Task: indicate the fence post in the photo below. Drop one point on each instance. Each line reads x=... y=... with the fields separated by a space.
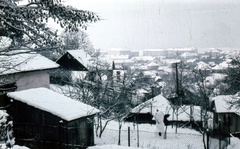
x=60 y=130
x=219 y=132
x=207 y=138
x=128 y=136
x=229 y=128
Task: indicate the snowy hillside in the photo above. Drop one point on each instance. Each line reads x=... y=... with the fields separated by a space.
x=184 y=139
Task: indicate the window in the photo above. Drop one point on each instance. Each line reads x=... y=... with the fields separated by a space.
x=227 y=119
x=118 y=75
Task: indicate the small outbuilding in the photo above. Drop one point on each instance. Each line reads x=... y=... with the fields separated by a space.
x=44 y=119
x=226 y=116
x=184 y=116
x=143 y=113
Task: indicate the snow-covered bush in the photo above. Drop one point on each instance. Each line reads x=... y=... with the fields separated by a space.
x=6 y=132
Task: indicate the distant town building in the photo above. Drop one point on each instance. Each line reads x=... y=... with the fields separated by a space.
x=118 y=51
x=173 y=52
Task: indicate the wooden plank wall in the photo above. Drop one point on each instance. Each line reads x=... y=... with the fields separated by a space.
x=39 y=129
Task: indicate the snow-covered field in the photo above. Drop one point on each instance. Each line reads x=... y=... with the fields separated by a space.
x=184 y=139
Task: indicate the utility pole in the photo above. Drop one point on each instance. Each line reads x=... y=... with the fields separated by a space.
x=177 y=92
x=177 y=82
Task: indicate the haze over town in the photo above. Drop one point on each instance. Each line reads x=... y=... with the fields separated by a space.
x=143 y=24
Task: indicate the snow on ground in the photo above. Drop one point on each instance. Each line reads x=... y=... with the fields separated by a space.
x=3 y=146
x=235 y=144
x=184 y=139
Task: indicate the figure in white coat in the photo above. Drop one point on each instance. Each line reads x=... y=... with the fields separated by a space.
x=159 y=115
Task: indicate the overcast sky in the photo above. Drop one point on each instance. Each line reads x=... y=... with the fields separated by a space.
x=144 y=24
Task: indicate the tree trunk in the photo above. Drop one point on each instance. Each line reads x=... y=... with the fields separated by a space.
x=204 y=142
x=119 y=132
x=176 y=121
x=137 y=135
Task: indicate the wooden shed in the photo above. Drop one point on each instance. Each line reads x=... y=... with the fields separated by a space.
x=44 y=119
x=226 y=116
x=143 y=113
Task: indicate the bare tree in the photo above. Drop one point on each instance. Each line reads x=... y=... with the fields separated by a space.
x=24 y=29
x=6 y=132
x=26 y=24
x=233 y=74
x=204 y=93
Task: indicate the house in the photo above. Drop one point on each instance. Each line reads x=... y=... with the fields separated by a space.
x=22 y=71
x=188 y=55
x=152 y=66
x=226 y=117
x=185 y=115
x=223 y=66
x=118 y=51
x=44 y=119
x=143 y=113
x=203 y=67
x=77 y=60
x=76 y=65
x=214 y=53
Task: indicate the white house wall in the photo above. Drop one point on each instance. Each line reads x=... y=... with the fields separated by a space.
x=33 y=80
x=121 y=74
x=78 y=75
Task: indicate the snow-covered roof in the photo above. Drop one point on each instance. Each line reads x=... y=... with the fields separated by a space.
x=157 y=78
x=142 y=91
x=142 y=67
x=162 y=104
x=222 y=104
x=214 y=50
x=173 y=61
x=25 y=62
x=181 y=49
x=82 y=57
x=214 y=77
x=159 y=102
x=153 y=50
x=152 y=64
x=53 y=102
x=202 y=66
x=188 y=54
x=224 y=65
x=117 y=57
x=144 y=58
x=123 y=61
